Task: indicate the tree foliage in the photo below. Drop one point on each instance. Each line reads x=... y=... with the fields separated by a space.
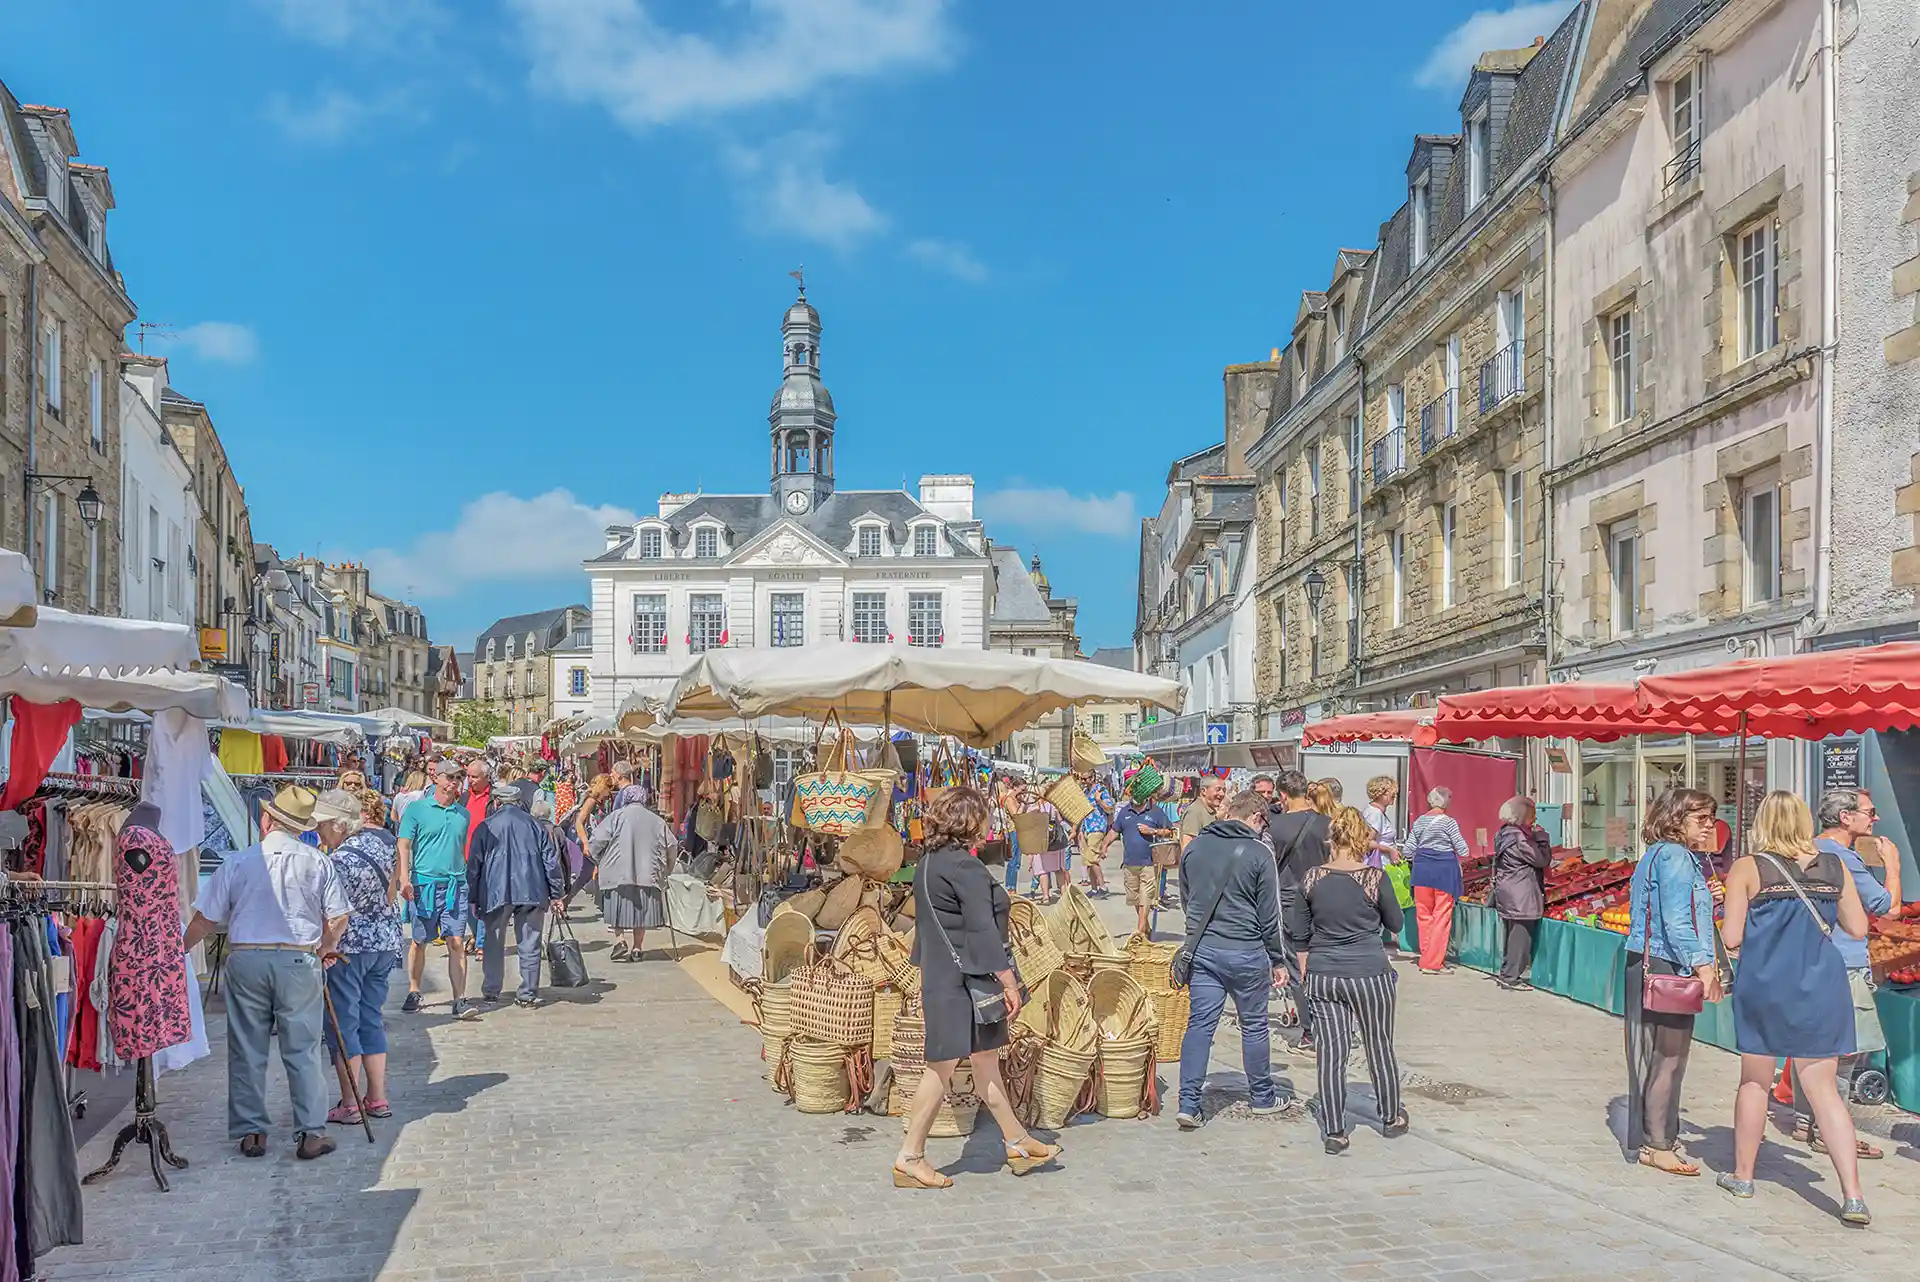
x=475 y=723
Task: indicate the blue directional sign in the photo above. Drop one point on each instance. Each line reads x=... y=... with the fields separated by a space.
x=1217 y=731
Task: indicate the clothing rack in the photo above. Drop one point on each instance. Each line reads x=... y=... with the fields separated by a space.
x=30 y=889
x=290 y=776
x=91 y=785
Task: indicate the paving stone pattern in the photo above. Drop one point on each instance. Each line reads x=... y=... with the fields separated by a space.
x=625 y=1132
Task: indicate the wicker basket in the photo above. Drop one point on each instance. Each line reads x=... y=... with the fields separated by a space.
x=1148 y=963
x=1034 y=951
x=862 y=945
x=960 y=1088
x=1077 y=927
x=816 y=1076
x=1087 y=756
x=955 y=1117
x=887 y=1005
x=1121 y=1008
x=1122 y=1088
x=1033 y=828
x=773 y=1007
x=1058 y=1084
x=787 y=947
x=1069 y=798
x=832 y=1004
x=1059 y=1013
x=1173 y=1009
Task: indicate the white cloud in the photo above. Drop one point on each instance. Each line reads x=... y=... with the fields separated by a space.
x=948 y=256
x=221 y=341
x=1057 y=509
x=331 y=117
x=784 y=188
x=339 y=24
x=1451 y=61
x=500 y=538
x=614 y=53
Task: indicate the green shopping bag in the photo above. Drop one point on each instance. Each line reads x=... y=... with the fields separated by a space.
x=1401 y=875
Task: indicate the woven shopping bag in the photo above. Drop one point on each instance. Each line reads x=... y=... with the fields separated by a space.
x=832 y=1003
x=834 y=800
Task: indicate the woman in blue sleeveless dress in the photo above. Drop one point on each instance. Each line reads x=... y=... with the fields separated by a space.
x=1790 y=995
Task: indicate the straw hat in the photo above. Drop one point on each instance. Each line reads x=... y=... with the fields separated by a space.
x=292 y=807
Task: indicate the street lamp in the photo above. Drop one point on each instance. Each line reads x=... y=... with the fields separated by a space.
x=88 y=501
x=252 y=629
x=1316 y=585
x=90 y=506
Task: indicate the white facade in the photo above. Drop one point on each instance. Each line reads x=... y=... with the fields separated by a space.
x=571 y=680
x=159 y=513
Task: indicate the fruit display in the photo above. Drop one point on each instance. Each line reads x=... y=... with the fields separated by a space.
x=1893 y=947
x=1904 y=975
x=1616 y=920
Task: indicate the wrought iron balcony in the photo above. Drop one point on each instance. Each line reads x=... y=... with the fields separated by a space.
x=1503 y=375
x=1390 y=455
x=1684 y=165
x=1436 y=421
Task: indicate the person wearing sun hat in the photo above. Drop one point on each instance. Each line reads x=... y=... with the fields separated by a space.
x=284 y=910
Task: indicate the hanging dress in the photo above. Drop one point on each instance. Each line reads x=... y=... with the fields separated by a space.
x=147 y=1003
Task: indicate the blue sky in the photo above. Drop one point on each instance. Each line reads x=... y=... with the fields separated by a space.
x=463 y=280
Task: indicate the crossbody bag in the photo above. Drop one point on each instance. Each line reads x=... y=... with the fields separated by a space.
x=984 y=991
x=1673 y=994
x=1180 y=965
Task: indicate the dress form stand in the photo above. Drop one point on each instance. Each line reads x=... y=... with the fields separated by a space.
x=145 y=1128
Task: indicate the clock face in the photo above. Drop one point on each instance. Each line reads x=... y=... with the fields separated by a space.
x=798 y=502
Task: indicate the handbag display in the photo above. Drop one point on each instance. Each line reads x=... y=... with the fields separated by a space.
x=566 y=967
x=834 y=800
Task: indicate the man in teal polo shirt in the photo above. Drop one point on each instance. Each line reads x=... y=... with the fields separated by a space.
x=430 y=869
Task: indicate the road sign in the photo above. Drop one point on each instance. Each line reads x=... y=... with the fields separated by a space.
x=1217 y=731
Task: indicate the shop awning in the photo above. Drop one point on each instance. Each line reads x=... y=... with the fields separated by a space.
x=1802 y=696
x=1414 y=725
x=321 y=727
x=1578 y=710
x=19 y=593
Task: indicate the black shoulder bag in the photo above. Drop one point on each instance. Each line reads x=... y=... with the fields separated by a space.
x=988 y=997
x=1180 y=966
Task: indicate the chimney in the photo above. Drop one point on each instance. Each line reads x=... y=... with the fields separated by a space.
x=1539 y=41
x=615 y=535
x=949 y=497
x=1252 y=395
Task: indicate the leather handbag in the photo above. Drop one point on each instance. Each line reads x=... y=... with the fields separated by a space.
x=1670 y=994
x=567 y=967
x=984 y=991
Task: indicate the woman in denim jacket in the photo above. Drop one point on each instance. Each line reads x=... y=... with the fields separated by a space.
x=1671 y=934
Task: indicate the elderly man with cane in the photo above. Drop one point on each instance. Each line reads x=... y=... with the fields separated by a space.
x=284 y=909
x=513 y=875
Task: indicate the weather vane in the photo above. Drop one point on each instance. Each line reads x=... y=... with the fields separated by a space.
x=800 y=274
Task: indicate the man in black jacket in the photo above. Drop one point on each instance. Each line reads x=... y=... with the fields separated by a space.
x=513 y=875
x=1298 y=834
x=1231 y=889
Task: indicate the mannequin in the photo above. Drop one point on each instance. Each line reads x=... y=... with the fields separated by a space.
x=143 y=815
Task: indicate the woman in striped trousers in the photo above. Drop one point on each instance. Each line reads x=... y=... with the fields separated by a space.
x=1336 y=925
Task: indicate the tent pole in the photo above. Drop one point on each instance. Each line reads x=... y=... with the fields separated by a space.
x=1740 y=790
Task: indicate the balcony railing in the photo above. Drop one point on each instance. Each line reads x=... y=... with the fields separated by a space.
x=1436 y=422
x=1684 y=165
x=1390 y=455
x=1503 y=375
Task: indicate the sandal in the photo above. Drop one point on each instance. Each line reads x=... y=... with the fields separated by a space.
x=904 y=1179
x=1336 y=1145
x=621 y=951
x=1398 y=1126
x=1669 y=1161
x=379 y=1109
x=344 y=1115
x=1861 y=1148
x=1029 y=1153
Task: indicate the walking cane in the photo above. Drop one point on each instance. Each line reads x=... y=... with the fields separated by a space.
x=353 y=1086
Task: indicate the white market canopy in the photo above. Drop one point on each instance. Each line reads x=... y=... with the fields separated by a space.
x=786 y=730
x=589 y=734
x=392 y=718
x=19 y=593
x=115 y=665
x=638 y=711
x=322 y=727
x=977 y=696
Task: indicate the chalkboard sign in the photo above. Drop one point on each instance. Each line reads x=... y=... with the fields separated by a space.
x=1839 y=765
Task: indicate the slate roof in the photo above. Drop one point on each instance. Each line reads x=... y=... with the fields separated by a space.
x=33 y=166
x=746 y=516
x=1112 y=656
x=578 y=639
x=547 y=625
x=1016 y=597
x=1536 y=100
x=1663 y=23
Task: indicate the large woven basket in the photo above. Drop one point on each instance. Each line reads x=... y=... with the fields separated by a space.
x=1173 y=1009
x=1032 y=827
x=1058 y=1084
x=1148 y=963
x=887 y=1005
x=1069 y=798
x=816 y=1076
x=866 y=946
x=1087 y=755
x=955 y=1117
x=1077 y=927
x=787 y=947
x=960 y=1095
x=832 y=1004
x=1121 y=1008
x=773 y=1007
x=1060 y=1014
x=1034 y=951
x=908 y=1043
x=1122 y=1086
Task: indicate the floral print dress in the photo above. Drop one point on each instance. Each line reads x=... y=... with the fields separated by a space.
x=364 y=863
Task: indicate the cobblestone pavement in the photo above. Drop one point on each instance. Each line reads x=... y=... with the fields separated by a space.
x=625 y=1132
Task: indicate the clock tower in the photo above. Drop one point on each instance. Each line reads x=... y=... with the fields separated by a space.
x=801 y=419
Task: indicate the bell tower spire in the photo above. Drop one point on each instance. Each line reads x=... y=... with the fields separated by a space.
x=801 y=418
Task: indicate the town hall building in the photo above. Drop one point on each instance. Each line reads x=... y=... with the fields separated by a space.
x=800 y=563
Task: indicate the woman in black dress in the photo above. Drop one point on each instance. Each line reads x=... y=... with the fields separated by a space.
x=960 y=931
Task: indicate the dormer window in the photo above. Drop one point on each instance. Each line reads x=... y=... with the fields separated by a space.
x=1479 y=157
x=1338 y=314
x=926 y=540
x=491 y=642
x=706 y=542
x=650 y=544
x=1421 y=213
x=510 y=642
x=533 y=644
x=1302 y=376
x=869 y=540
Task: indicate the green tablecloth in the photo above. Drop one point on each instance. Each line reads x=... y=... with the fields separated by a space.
x=1478 y=937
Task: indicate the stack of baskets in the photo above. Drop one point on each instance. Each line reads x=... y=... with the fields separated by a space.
x=960 y=1110
x=832 y=1009
x=1124 y=1018
x=1061 y=1017
x=788 y=946
x=1148 y=963
x=1081 y=935
x=1032 y=942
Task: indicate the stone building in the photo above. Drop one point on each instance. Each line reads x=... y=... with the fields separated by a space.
x=1027 y=618
x=801 y=561
x=401 y=634
x=512 y=671
x=445 y=680
x=1114 y=726
x=290 y=607
x=1688 y=277
x=1873 y=593
x=221 y=557
x=63 y=309
x=1454 y=401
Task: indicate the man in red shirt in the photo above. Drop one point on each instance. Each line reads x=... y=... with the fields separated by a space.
x=479 y=796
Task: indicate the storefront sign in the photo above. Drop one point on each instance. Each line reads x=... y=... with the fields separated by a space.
x=1557 y=761
x=310 y=694
x=1290 y=717
x=1840 y=765
x=213 y=643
